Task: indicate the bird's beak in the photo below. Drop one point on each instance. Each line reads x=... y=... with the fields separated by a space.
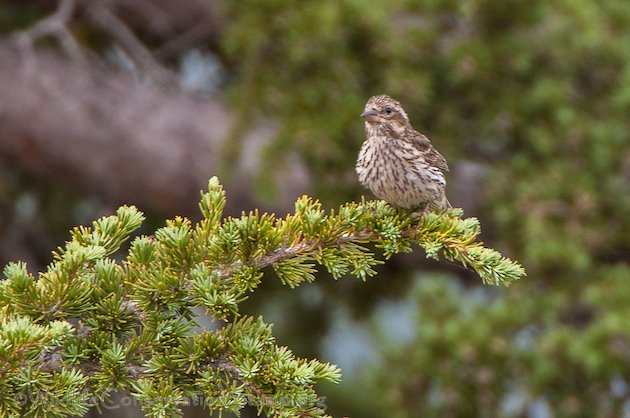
x=370 y=115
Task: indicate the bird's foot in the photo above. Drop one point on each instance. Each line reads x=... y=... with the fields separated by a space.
x=417 y=214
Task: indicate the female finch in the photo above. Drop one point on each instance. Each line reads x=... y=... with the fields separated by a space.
x=396 y=162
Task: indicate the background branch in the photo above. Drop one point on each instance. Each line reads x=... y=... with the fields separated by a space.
x=127 y=40
x=133 y=143
x=55 y=25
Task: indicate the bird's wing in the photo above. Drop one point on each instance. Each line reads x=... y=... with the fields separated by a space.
x=432 y=155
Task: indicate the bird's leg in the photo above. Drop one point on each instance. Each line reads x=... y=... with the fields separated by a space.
x=417 y=214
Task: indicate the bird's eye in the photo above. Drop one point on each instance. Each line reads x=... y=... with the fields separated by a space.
x=389 y=110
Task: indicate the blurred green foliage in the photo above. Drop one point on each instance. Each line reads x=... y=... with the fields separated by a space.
x=536 y=91
x=475 y=355
x=539 y=92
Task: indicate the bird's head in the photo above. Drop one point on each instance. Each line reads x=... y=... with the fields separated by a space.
x=383 y=110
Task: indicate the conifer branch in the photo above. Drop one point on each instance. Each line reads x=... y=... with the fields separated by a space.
x=90 y=323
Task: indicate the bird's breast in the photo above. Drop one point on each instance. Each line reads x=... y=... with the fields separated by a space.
x=397 y=172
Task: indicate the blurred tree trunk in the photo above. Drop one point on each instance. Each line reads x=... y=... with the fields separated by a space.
x=94 y=130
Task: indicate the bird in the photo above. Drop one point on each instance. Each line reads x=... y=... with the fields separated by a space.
x=396 y=162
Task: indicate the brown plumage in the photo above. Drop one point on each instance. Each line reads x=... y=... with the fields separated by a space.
x=397 y=163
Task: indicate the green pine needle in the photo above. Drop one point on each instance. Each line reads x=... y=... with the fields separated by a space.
x=92 y=323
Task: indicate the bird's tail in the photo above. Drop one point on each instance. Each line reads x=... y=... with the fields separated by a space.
x=445 y=203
